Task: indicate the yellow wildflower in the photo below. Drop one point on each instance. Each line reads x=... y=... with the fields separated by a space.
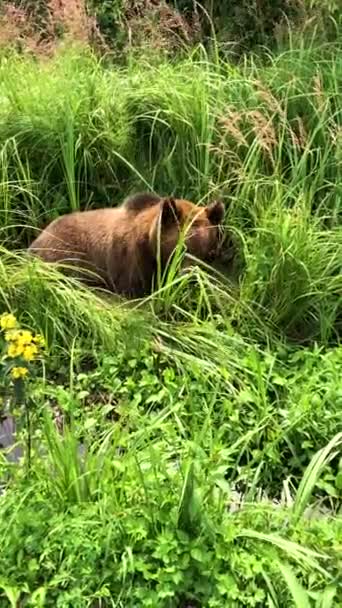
x=30 y=352
x=8 y=321
x=39 y=340
x=15 y=350
x=20 y=342
x=11 y=335
x=21 y=336
x=25 y=337
x=19 y=372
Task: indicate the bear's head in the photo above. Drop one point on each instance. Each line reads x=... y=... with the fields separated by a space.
x=199 y=225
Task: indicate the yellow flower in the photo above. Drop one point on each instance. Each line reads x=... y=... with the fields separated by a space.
x=22 y=336
x=15 y=350
x=11 y=335
x=30 y=352
x=25 y=337
x=19 y=372
x=8 y=321
x=20 y=342
x=39 y=340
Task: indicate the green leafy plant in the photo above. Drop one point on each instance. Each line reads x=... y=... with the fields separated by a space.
x=20 y=348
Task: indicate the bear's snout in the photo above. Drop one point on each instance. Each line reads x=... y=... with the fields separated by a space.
x=213 y=254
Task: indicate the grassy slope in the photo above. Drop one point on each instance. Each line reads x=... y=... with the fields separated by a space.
x=219 y=388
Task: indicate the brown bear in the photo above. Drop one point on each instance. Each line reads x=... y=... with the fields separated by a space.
x=121 y=247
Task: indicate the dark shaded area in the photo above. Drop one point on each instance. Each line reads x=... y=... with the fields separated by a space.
x=7 y=439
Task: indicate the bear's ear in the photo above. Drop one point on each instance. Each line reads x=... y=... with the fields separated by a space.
x=169 y=212
x=215 y=212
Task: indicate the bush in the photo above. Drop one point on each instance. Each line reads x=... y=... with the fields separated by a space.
x=243 y=25
x=110 y=20
x=240 y=25
x=136 y=519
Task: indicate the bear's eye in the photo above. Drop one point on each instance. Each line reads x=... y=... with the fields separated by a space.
x=195 y=224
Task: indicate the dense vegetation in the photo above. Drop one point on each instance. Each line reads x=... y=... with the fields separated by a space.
x=166 y=25
x=184 y=451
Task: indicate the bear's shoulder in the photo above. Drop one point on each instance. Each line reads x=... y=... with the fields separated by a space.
x=141 y=201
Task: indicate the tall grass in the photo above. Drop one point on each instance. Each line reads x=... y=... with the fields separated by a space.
x=267 y=140
x=59 y=307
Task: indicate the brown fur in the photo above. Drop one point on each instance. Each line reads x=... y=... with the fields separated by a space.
x=120 y=246
x=139 y=202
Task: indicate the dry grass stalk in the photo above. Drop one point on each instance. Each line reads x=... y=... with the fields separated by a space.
x=63 y=20
x=235 y=122
x=230 y=122
x=16 y=27
x=320 y=98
